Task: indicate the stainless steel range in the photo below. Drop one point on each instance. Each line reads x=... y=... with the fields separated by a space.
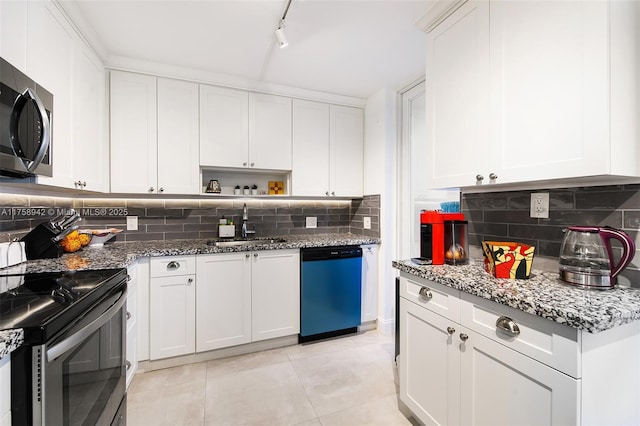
x=71 y=368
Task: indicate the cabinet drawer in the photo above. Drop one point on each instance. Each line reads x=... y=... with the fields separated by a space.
x=172 y=266
x=433 y=296
x=551 y=343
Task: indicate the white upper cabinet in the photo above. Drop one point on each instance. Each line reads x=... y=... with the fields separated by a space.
x=346 y=150
x=269 y=132
x=224 y=127
x=178 y=148
x=523 y=91
x=327 y=150
x=154 y=135
x=13 y=33
x=133 y=133
x=310 y=172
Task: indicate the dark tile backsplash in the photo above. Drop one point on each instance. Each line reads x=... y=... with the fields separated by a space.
x=505 y=216
x=196 y=218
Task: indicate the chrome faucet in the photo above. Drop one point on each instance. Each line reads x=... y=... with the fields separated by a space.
x=245 y=219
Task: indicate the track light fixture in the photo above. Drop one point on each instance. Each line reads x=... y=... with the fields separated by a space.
x=280 y=37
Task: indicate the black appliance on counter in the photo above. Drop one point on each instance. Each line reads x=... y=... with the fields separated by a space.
x=71 y=368
x=43 y=241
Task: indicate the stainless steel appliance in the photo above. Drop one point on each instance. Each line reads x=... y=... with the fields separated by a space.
x=71 y=368
x=26 y=111
x=330 y=291
x=586 y=256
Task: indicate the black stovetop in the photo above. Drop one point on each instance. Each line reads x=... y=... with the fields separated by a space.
x=44 y=303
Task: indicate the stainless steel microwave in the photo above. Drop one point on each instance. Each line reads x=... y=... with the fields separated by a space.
x=26 y=112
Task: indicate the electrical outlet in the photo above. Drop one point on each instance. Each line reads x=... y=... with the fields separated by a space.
x=367 y=222
x=540 y=205
x=312 y=222
x=132 y=223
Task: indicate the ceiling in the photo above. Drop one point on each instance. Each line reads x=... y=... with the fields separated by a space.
x=346 y=47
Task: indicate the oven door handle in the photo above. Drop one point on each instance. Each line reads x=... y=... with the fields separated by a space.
x=78 y=337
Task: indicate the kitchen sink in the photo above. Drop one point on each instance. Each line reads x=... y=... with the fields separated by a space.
x=234 y=242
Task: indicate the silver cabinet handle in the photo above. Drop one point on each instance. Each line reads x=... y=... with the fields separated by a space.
x=189 y=281
x=508 y=325
x=84 y=184
x=128 y=364
x=152 y=189
x=128 y=277
x=253 y=164
x=247 y=255
x=463 y=337
x=333 y=193
x=255 y=254
x=451 y=330
x=493 y=176
x=161 y=189
x=173 y=265
x=326 y=193
x=426 y=293
x=244 y=164
x=128 y=315
x=479 y=178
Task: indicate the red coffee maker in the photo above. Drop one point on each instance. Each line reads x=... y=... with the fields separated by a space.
x=432 y=234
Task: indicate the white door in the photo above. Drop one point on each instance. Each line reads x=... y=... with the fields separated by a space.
x=269 y=132
x=178 y=141
x=90 y=144
x=549 y=89
x=457 y=98
x=346 y=151
x=369 y=283
x=429 y=365
x=223 y=300
x=50 y=42
x=310 y=172
x=275 y=294
x=133 y=133
x=500 y=386
x=224 y=127
x=172 y=316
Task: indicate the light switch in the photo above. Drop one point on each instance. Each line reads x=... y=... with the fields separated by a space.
x=367 y=222
x=132 y=223
x=312 y=222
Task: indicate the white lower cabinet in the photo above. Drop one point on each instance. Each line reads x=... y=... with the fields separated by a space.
x=5 y=391
x=223 y=300
x=132 y=323
x=369 y=283
x=172 y=300
x=275 y=294
x=458 y=367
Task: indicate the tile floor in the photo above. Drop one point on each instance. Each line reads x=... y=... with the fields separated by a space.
x=345 y=381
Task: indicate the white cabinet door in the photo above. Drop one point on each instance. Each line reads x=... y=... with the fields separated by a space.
x=50 y=41
x=224 y=127
x=13 y=33
x=142 y=321
x=223 y=300
x=178 y=147
x=457 y=97
x=310 y=171
x=90 y=144
x=269 y=132
x=369 y=283
x=5 y=390
x=549 y=89
x=500 y=386
x=172 y=316
x=429 y=365
x=133 y=133
x=275 y=294
x=346 y=151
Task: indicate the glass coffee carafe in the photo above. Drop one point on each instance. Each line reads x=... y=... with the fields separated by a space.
x=456 y=245
x=586 y=256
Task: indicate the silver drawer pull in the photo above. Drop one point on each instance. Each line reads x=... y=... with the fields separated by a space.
x=451 y=330
x=128 y=364
x=173 y=265
x=508 y=325
x=426 y=293
x=464 y=337
x=128 y=315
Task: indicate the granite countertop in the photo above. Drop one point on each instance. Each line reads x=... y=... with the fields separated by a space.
x=543 y=295
x=10 y=340
x=121 y=255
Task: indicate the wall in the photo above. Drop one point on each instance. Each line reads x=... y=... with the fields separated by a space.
x=505 y=216
x=380 y=177
x=192 y=218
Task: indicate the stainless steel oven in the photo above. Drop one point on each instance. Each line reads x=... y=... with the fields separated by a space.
x=71 y=369
x=26 y=111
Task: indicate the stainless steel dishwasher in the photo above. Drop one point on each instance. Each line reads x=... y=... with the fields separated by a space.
x=330 y=291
